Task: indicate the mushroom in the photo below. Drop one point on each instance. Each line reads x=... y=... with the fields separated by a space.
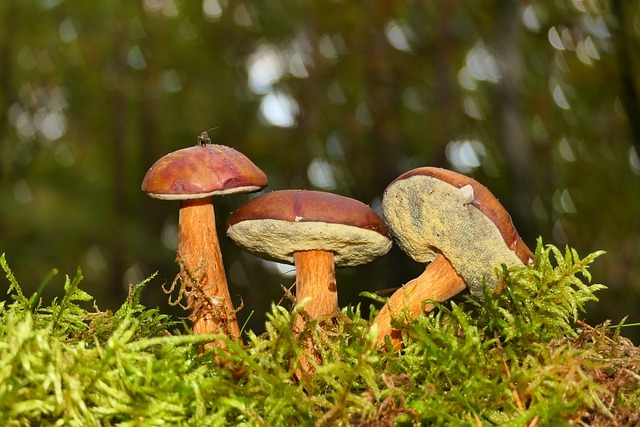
x=455 y=225
x=193 y=175
x=315 y=231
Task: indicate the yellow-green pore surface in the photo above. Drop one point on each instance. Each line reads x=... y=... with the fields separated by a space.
x=277 y=240
x=427 y=215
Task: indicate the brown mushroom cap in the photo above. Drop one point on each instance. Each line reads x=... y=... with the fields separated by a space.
x=431 y=210
x=202 y=171
x=277 y=224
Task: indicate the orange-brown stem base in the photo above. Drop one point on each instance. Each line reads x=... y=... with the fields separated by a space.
x=315 y=280
x=202 y=271
x=438 y=282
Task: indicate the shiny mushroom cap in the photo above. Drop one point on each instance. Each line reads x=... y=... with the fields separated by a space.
x=202 y=171
x=431 y=210
x=277 y=224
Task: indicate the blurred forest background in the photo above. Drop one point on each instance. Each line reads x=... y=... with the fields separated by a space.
x=537 y=100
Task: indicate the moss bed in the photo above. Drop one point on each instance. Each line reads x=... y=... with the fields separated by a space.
x=520 y=358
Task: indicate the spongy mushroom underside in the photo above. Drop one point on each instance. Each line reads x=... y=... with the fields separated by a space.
x=277 y=240
x=426 y=215
x=203 y=195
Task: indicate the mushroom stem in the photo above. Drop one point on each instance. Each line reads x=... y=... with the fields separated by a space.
x=208 y=297
x=316 y=279
x=438 y=282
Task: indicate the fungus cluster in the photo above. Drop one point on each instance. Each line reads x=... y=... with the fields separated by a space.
x=447 y=221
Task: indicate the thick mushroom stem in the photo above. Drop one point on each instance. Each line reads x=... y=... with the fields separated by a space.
x=201 y=267
x=316 y=279
x=438 y=282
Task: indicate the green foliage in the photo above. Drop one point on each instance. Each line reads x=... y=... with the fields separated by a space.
x=507 y=92
x=514 y=342
x=515 y=358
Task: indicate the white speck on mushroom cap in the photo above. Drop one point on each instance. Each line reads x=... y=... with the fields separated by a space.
x=427 y=215
x=467 y=193
x=277 y=240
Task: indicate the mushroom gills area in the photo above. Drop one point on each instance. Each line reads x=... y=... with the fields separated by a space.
x=316 y=280
x=425 y=214
x=278 y=240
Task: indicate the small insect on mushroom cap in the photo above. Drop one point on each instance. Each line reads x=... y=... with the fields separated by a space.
x=203 y=138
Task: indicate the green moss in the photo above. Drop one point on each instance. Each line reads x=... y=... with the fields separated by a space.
x=519 y=357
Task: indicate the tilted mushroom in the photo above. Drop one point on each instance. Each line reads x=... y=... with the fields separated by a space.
x=193 y=175
x=455 y=225
x=314 y=230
